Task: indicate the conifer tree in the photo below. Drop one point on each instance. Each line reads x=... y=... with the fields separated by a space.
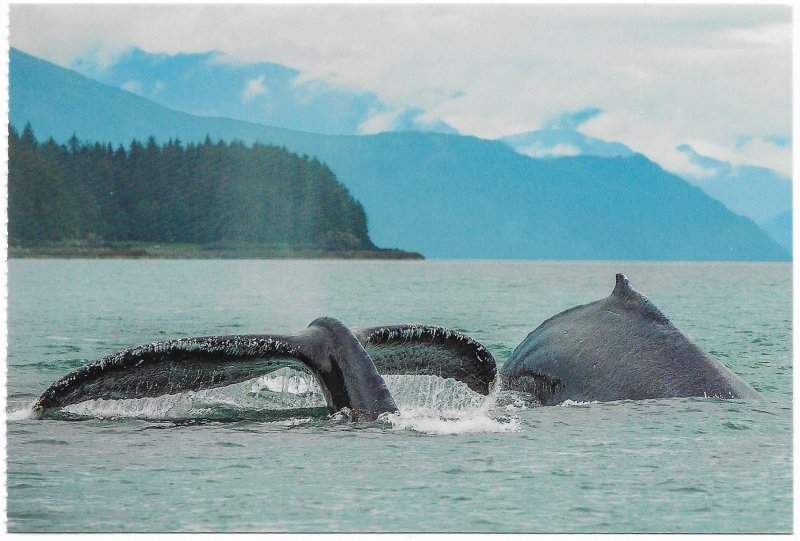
x=208 y=193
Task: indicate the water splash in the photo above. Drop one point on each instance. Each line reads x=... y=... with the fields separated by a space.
x=287 y=381
x=569 y=402
x=432 y=393
x=20 y=415
x=444 y=406
x=427 y=404
x=280 y=391
x=465 y=422
x=183 y=406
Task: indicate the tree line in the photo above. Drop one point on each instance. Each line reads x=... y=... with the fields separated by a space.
x=198 y=193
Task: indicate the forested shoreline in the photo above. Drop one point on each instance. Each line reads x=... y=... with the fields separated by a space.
x=222 y=196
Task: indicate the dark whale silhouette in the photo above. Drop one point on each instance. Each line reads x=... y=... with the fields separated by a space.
x=621 y=347
x=347 y=366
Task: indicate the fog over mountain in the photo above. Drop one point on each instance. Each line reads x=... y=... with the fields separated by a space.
x=758 y=193
x=210 y=84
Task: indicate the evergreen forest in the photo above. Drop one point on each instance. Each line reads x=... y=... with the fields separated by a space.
x=209 y=193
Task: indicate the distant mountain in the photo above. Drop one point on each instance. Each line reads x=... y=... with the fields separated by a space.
x=756 y=192
x=559 y=142
x=209 y=84
x=446 y=196
x=780 y=229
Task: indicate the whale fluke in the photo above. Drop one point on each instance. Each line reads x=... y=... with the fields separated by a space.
x=327 y=349
x=617 y=348
x=429 y=350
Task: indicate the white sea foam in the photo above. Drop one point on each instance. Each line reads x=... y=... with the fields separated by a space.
x=427 y=404
x=20 y=415
x=433 y=422
x=443 y=406
x=568 y=403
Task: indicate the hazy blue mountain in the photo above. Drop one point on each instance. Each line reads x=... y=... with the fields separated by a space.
x=780 y=229
x=756 y=192
x=207 y=84
x=559 y=142
x=446 y=196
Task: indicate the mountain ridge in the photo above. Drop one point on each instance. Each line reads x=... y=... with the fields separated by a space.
x=267 y=93
x=759 y=193
x=444 y=195
x=559 y=142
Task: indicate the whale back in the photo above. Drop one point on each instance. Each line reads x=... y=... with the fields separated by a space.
x=617 y=348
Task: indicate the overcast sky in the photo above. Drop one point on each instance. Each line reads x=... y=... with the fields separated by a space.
x=716 y=77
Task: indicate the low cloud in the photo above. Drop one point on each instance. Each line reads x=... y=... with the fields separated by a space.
x=572 y=120
x=662 y=74
x=767 y=153
x=254 y=87
x=378 y=122
x=133 y=86
x=556 y=151
x=771 y=35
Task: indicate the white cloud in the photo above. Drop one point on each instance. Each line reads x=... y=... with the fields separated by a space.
x=254 y=87
x=133 y=86
x=663 y=74
x=765 y=153
x=775 y=35
x=137 y=87
x=379 y=122
x=636 y=130
x=539 y=151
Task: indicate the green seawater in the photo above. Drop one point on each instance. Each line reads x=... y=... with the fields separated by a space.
x=262 y=456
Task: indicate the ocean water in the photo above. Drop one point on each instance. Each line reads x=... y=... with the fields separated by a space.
x=264 y=456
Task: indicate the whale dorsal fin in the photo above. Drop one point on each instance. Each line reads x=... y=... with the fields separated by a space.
x=623 y=286
x=624 y=292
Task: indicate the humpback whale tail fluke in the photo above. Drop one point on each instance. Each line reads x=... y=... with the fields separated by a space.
x=347 y=375
x=430 y=350
x=328 y=349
